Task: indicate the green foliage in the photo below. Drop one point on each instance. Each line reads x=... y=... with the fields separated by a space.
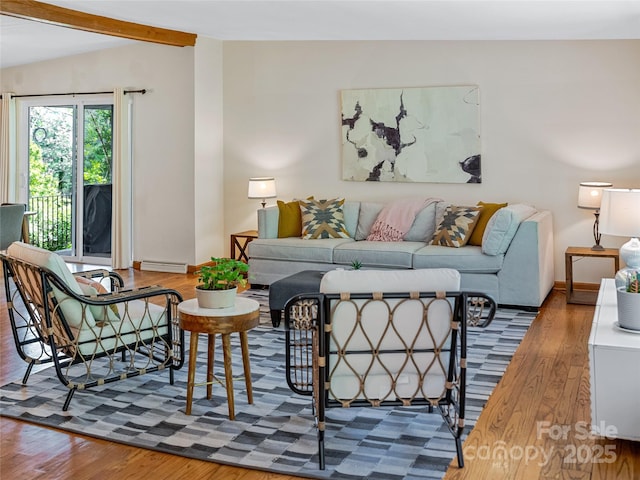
x=98 y=141
x=56 y=142
x=226 y=273
x=50 y=167
x=51 y=229
x=356 y=264
x=42 y=183
x=54 y=234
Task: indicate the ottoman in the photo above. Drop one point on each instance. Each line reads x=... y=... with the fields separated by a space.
x=307 y=281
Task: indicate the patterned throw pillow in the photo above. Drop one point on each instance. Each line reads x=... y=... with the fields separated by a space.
x=456 y=226
x=323 y=219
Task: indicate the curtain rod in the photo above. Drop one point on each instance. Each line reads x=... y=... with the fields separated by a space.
x=142 y=91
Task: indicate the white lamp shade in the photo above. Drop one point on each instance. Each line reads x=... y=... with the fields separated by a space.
x=620 y=212
x=590 y=194
x=262 y=187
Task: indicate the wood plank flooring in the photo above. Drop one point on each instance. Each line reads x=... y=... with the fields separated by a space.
x=545 y=388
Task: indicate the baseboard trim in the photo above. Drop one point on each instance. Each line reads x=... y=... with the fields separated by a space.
x=137 y=264
x=562 y=286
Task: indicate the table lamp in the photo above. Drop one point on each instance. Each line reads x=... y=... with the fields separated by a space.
x=589 y=196
x=620 y=216
x=262 y=187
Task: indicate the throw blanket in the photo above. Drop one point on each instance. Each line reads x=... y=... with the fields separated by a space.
x=395 y=219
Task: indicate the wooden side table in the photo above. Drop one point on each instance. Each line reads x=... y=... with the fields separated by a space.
x=585 y=297
x=240 y=241
x=242 y=317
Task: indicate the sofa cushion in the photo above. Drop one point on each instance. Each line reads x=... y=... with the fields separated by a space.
x=486 y=212
x=456 y=226
x=368 y=213
x=502 y=227
x=323 y=219
x=376 y=254
x=468 y=259
x=351 y=211
x=396 y=219
x=289 y=219
x=296 y=249
x=424 y=225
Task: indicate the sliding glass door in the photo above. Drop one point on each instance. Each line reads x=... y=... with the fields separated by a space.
x=66 y=154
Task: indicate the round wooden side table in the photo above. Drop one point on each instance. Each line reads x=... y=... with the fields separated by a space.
x=242 y=317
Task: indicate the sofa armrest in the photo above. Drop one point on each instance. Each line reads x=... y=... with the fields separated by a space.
x=527 y=272
x=268 y=222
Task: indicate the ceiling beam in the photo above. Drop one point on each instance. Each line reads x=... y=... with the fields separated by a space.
x=65 y=17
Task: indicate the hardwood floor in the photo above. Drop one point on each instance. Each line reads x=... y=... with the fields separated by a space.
x=518 y=435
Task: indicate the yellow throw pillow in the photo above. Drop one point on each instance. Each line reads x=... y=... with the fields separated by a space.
x=290 y=219
x=486 y=212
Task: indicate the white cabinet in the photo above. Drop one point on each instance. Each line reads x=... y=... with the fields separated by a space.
x=614 y=364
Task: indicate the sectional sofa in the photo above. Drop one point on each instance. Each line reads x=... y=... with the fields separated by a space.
x=513 y=263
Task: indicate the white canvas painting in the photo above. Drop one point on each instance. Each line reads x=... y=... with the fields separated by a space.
x=426 y=134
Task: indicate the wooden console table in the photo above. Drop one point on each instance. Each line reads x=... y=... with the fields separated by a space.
x=614 y=356
x=585 y=297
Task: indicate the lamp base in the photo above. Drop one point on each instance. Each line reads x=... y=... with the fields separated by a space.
x=596 y=232
x=630 y=255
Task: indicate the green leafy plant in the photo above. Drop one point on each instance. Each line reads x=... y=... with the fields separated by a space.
x=224 y=274
x=633 y=282
x=356 y=264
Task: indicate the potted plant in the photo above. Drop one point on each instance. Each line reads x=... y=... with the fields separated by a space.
x=218 y=283
x=629 y=302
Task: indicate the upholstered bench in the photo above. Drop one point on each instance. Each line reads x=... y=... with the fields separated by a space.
x=307 y=281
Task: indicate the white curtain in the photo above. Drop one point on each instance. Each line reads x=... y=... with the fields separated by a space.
x=121 y=248
x=7 y=148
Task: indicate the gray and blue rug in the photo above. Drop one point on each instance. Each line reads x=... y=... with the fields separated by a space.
x=277 y=432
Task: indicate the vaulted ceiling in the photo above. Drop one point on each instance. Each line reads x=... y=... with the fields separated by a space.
x=25 y=41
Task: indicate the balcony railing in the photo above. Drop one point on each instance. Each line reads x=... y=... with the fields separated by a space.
x=51 y=227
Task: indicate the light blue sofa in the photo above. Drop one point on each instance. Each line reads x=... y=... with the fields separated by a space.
x=514 y=264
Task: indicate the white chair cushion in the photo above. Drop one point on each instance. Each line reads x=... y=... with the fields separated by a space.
x=391 y=281
x=135 y=326
x=71 y=308
x=346 y=375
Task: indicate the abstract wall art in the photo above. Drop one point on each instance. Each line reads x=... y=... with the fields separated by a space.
x=428 y=134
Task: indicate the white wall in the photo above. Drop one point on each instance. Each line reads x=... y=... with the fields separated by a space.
x=553 y=114
x=208 y=195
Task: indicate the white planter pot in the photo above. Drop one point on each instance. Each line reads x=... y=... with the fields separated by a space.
x=628 y=309
x=216 y=298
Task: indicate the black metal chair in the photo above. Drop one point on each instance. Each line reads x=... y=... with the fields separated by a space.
x=383 y=349
x=92 y=338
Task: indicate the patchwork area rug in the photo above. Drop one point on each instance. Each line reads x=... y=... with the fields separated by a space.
x=277 y=432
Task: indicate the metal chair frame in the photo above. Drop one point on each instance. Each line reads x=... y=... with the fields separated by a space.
x=310 y=358
x=43 y=335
